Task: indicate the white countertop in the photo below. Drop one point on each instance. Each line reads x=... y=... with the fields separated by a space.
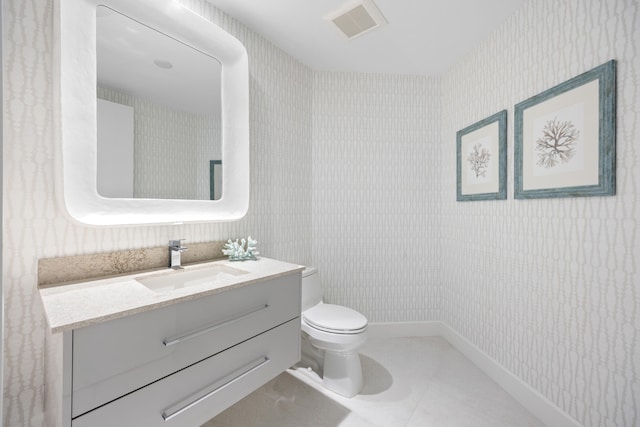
x=73 y=306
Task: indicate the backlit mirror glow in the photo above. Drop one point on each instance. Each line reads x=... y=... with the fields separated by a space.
x=79 y=35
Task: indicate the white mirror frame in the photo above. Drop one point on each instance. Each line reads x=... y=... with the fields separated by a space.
x=78 y=117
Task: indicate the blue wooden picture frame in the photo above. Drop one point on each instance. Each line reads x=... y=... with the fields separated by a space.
x=565 y=138
x=215 y=188
x=481 y=168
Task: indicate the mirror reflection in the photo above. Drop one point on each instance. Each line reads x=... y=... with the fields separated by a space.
x=159 y=120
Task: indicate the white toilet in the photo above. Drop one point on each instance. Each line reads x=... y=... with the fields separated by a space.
x=331 y=336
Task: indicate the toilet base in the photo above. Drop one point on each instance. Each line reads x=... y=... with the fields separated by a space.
x=339 y=371
x=342 y=372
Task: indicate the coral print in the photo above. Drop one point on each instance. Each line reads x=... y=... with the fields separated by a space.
x=479 y=160
x=557 y=143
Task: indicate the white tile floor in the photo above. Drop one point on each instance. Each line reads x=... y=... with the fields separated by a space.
x=407 y=382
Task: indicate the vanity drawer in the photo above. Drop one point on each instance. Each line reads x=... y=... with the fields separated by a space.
x=117 y=357
x=196 y=394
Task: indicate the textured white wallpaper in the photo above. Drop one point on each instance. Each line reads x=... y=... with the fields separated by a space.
x=375 y=216
x=36 y=225
x=549 y=288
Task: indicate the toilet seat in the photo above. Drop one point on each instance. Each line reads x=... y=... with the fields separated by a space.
x=335 y=319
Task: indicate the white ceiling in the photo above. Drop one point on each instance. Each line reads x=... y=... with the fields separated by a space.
x=423 y=37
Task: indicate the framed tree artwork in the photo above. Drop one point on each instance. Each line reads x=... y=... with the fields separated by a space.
x=481 y=150
x=565 y=138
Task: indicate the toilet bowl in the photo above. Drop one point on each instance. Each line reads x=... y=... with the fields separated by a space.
x=331 y=337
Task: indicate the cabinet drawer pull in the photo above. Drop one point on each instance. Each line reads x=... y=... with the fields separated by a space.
x=198 y=397
x=206 y=329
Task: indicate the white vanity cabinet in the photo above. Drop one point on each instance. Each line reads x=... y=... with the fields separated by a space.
x=197 y=393
x=182 y=363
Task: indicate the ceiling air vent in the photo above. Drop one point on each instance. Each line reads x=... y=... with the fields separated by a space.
x=357 y=17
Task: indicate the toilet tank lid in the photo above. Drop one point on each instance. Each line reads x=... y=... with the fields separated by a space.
x=308 y=271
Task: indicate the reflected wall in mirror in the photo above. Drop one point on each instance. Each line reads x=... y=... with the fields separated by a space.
x=173 y=95
x=78 y=37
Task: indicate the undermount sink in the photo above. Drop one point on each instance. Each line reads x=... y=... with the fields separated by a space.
x=179 y=279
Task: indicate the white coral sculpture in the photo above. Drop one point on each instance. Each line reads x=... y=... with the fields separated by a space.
x=242 y=251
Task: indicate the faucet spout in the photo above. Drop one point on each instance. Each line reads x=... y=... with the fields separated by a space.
x=175 y=252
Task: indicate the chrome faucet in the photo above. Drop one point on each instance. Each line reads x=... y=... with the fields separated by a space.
x=175 y=250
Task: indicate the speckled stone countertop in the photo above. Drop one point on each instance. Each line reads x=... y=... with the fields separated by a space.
x=77 y=305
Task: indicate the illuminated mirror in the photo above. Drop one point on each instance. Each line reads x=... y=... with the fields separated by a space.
x=206 y=101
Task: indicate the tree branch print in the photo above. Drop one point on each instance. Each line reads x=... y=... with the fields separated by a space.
x=479 y=160
x=557 y=143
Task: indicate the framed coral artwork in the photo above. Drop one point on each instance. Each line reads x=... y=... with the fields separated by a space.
x=482 y=159
x=565 y=138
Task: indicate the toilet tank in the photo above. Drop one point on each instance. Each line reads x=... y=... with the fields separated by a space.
x=311 y=288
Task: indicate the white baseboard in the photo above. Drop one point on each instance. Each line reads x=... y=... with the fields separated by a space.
x=536 y=403
x=405 y=329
